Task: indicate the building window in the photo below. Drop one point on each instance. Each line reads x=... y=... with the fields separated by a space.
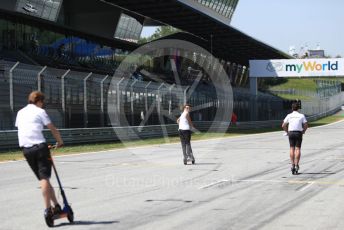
x=223 y=7
x=128 y=28
x=45 y=9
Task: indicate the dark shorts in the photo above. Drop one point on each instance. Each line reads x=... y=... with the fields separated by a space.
x=38 y=157
x=185 y=136
x=295 y=139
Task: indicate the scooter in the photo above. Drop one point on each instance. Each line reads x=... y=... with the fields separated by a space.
x=67 y=211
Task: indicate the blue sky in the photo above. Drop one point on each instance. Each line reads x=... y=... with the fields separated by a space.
x=283 y=23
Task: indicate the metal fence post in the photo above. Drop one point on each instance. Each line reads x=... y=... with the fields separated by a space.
x=185 y=91
x=63 y=97
x=146 y=96
x=118 y=101
x=170 y=101
x=85 y=100
x=102 y=100
x=237 y=74
x=39 y=79
x=242 y=75
x=159 y=103
x=11 y=87
x=132 y=101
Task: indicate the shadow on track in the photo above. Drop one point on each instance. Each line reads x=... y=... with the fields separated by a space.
x=206 y=163
x=87 y=223
x=320 y=173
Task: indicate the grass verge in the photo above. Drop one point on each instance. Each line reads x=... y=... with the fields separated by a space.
x=293 y=97
x=297 y=83
x=17 y=155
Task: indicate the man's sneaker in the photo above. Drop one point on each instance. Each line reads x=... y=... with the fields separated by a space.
x=293 y=169
x=57 y=209
x=185 y=161
x=48 y=216
x=193 y=160
x=297 y=167
x=48 y=212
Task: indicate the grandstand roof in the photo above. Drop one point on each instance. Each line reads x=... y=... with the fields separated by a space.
x=52 y=26
x=228 y=42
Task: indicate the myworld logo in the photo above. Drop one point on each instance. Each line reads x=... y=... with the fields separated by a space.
x=315 y=67
x=312 y=66
x=275 y=66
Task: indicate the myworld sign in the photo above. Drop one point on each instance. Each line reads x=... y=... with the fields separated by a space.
x=297 y=67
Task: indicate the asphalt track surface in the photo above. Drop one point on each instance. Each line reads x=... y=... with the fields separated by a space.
x=236 y=183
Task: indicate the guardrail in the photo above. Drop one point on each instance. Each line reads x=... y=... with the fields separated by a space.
x=9 y=139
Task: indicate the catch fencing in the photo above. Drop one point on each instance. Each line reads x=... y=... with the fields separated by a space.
x=80 y=100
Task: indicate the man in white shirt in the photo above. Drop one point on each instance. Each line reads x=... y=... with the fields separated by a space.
x=296 y=125
x=30 y=122
x=185 y=124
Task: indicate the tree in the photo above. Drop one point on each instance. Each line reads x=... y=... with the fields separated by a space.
x=160 y=32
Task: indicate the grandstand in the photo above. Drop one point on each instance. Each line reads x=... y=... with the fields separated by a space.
x=136 y=97
x=92 y=38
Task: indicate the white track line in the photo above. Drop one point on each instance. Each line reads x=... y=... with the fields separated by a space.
x=310 y=183
x=235 y=180
x=212 y=184
x=293 y=182
x=334 y=123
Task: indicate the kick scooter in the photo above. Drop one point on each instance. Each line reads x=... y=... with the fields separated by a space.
x=67 y=211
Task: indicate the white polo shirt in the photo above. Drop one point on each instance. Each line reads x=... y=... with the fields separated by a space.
x=183 y=122
x=295 y=121
x=30 y=122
